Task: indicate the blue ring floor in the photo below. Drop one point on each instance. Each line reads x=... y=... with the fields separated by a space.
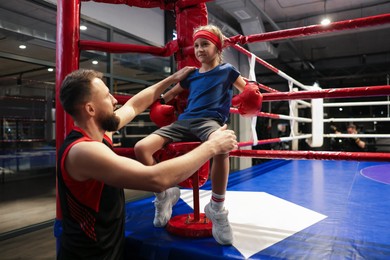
x=281 y=209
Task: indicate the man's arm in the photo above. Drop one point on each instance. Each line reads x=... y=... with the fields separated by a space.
x=142 y=100
x=94 y=160
x=173 y=92
x=359 y=142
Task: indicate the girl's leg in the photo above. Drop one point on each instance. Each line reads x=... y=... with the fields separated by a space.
x=145 y=148
x=215 y=210
x=219 y=179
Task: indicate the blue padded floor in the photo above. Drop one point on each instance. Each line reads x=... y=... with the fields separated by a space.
x=288 y=209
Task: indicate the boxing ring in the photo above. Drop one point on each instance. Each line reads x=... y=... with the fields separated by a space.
x=282 y=209
x=299 y=205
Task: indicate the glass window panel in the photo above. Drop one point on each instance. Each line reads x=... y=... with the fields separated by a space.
x=94 y=60
x=122 y=38
x=141 y=69
x=93 y=31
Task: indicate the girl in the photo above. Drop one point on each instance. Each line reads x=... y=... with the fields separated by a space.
x=210 y=94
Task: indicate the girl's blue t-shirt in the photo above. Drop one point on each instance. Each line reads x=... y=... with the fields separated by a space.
x=210 y=93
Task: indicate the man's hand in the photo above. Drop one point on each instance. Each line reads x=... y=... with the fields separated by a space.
x=223 y=140
x=182 y=73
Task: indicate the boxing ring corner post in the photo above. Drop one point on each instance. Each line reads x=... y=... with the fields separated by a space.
x=67 y=60
x=317 y=125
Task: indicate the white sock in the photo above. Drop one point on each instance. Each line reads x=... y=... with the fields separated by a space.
x=217 y=201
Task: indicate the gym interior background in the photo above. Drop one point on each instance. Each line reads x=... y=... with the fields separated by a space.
x=353 y=58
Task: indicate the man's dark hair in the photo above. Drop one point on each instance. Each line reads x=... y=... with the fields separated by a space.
x=76 y=89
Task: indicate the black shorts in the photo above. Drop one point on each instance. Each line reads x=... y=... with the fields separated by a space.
x=189 y=130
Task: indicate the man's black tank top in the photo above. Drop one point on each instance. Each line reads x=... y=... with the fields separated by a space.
x=92 y=212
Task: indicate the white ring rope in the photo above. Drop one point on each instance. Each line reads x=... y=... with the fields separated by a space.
x=275 y=140
x=304 y=103
x=357 y=135
x=296 y=137
x=351 y=104
x=267 y=65
x=288 y=78
x=293 y=112
x=295 y=118
x=252 y=76
x=370 y=119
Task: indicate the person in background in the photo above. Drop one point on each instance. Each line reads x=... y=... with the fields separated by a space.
x=91 y=176
x=210 y=97
x=354 y=144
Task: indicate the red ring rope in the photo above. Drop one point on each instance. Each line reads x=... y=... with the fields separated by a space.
x=368 y=91
x=310 y=30
x=312 y=155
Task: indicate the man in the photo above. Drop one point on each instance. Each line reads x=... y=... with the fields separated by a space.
x=353 y=144
x=91 y=177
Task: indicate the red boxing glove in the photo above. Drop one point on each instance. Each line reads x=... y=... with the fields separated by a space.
x=162 y=115
x=248 y=101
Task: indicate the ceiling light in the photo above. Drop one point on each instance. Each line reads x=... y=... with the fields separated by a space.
x=50 y=69
x=325 y=21
x=340 y=109
x=83 y=27
x=22 y=46
x=95 y=62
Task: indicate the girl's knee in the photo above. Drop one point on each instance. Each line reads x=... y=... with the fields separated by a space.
x=140 y=147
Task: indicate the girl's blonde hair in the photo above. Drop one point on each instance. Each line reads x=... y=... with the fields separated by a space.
x=215 y=30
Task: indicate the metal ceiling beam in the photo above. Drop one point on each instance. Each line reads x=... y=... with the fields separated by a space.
x=246 y=15
x=28 y=32
x=11 y=56
x=290 y=43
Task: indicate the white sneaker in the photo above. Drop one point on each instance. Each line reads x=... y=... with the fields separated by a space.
x=164 y=207
x=222 y=231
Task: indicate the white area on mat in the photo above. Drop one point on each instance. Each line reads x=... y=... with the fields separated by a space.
x=259 y=219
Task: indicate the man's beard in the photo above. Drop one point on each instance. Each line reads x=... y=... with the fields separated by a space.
x=110 y=123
